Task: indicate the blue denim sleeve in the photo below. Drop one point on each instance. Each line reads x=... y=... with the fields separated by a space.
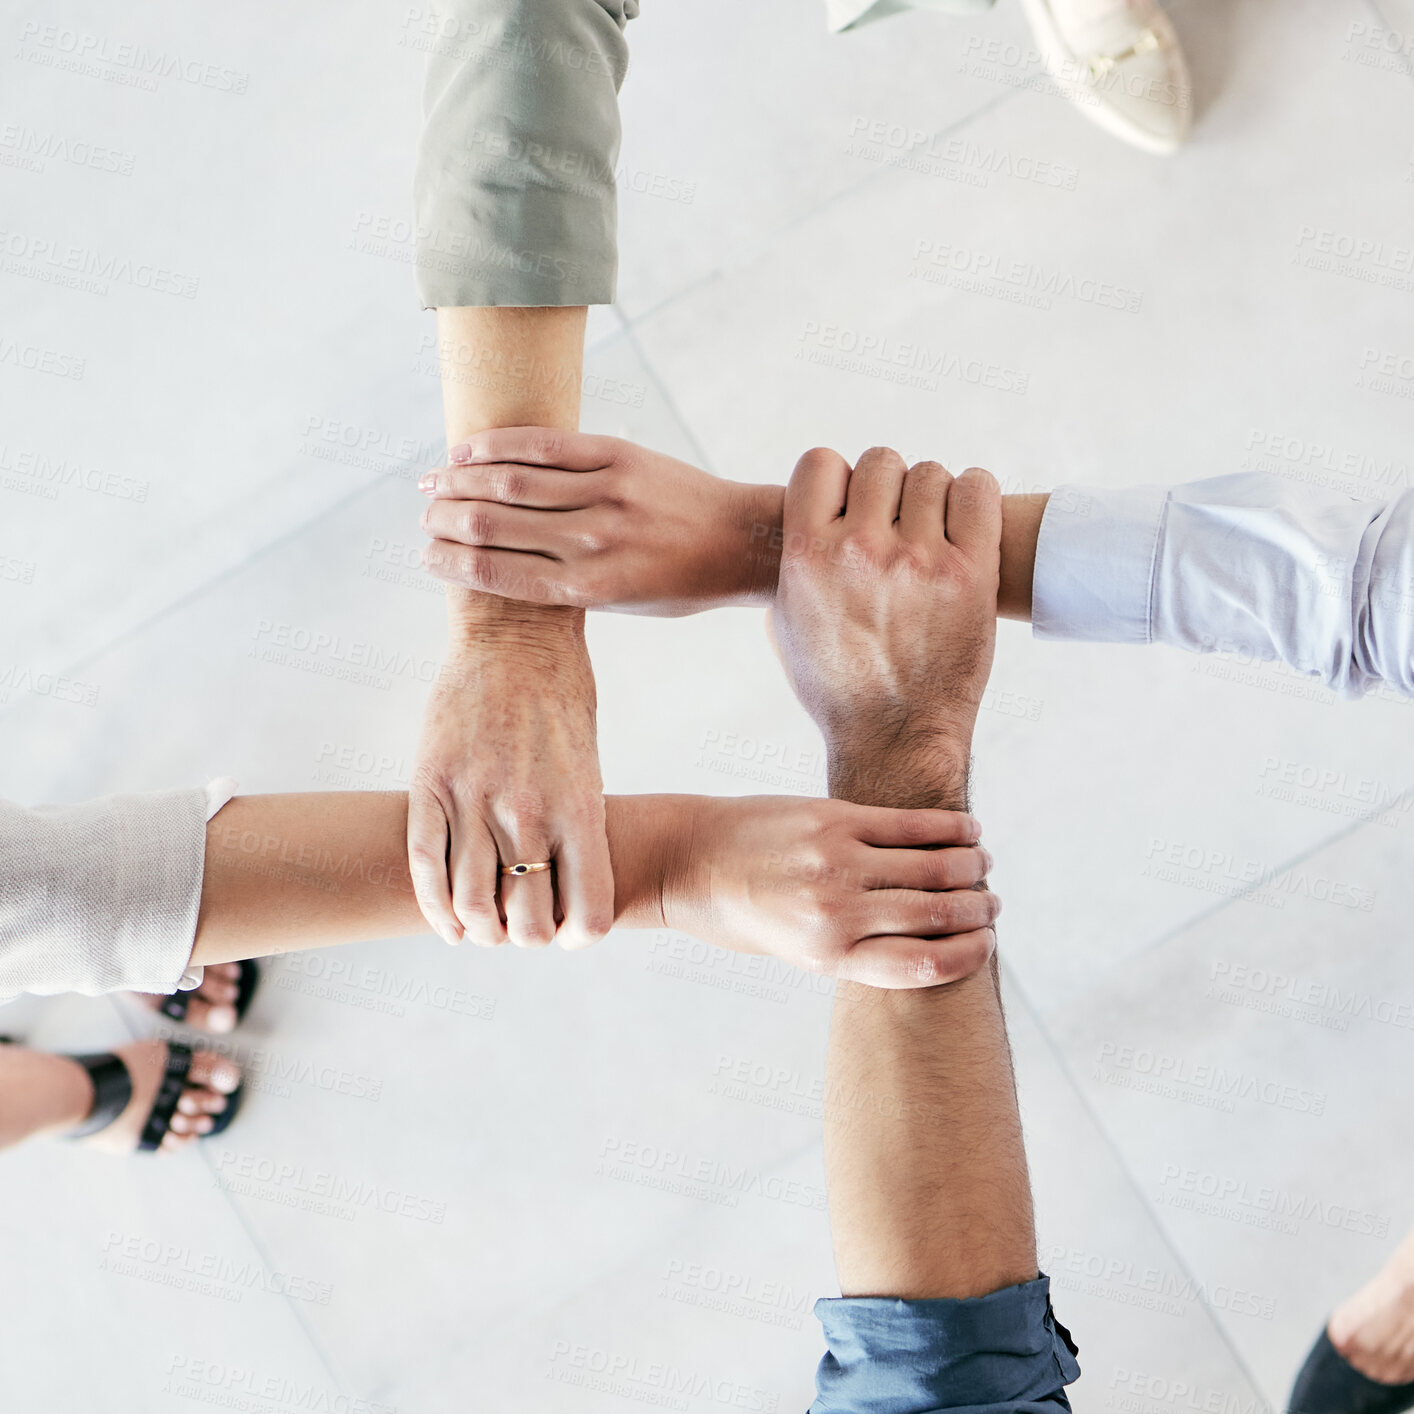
x=1005 y=1351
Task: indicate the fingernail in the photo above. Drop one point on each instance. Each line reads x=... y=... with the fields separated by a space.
x=976 y=829
x=461 y=453
x=428 y=484
x=987 y=861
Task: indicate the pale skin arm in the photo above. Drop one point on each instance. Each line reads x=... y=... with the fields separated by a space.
x=507 y=768
x=882 y=896
x=288 y=872
x=838 y=889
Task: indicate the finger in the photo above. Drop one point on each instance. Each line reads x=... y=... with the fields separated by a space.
x=974 y=512
x=925 y=915
x=512 y=485
x=897 y=963
x=815 y=495
x=925 y=494
x=512 y=574
x=894 y=829
x=939 y=869
x=428 y=838
x=528 y=901
x=538 y=446
x=584 y=884
x=504 y=527
x=874 y=489
x=475 y=873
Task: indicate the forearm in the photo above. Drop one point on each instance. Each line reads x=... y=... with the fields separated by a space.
x=289 y=872
x=929 y=1195
x=508 y=368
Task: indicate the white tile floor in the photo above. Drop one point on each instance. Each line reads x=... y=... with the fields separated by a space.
x=245 y=456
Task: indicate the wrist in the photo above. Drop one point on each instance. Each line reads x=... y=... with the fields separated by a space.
x=650 y=844
x=474 y=618
x=914 y=768
x=758 y=518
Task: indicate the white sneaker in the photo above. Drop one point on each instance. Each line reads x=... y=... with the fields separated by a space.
x=1120 y=63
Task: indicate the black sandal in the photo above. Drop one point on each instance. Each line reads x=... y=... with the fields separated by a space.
x=1330 y=1384
x=175 y=1007
x=113 y=1089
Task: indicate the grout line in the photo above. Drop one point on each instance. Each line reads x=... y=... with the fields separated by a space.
x=1132 y=1179
x=698 y=451
x=196 y=591
x=755 y=248
x=203 y=1153
x=1274 y=873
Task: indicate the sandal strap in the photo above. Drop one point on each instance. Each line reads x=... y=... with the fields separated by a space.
x=159 y=1117
x=175 y=1006
x=112 y=1090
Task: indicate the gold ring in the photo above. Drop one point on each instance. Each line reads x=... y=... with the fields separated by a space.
x=517 y=870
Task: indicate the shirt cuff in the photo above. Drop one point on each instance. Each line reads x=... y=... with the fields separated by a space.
x=1004 y=1351
x=1095 y=558
x=218 y=793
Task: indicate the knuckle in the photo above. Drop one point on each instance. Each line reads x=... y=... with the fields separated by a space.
x=547 y=446
x=475 y=526
x=912 y=827
x=424 y=861
x=942 y=910
x=509 y=484
x=923 y=968
x=817 y=459
x=595 y=924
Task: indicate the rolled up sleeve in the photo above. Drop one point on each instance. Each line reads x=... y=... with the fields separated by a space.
x=1250 y=564
x=103 y=896
x=515 y=195
x=983 y=1355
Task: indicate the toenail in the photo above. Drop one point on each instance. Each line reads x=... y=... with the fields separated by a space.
x=222 y=1018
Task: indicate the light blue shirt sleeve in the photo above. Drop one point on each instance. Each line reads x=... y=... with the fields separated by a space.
x=1246 y=564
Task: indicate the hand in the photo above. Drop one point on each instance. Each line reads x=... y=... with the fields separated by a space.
x=852 y=891
x=885 y=611
x=564 y=518
x=508 y=772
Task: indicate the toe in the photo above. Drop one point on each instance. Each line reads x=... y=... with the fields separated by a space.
x=219 y=991
x=214 y=1072
x=207 y=1017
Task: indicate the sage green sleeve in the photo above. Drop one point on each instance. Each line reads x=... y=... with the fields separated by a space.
x=514 y=193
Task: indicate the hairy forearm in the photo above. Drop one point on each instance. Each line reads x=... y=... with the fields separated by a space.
x=756 y=567
x=288 y=872
x=509 y=368
x=929 y=1195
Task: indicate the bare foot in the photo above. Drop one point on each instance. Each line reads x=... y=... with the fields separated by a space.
x=211 y=1007
x=43 y=1093
x=1374 y=1329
